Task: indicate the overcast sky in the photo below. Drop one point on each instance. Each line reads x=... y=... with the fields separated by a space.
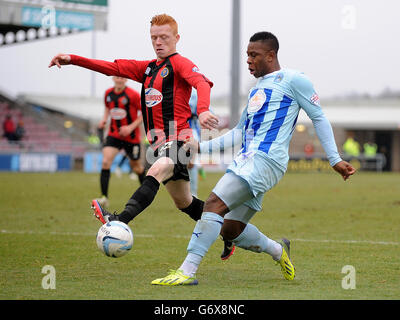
x=342 y=45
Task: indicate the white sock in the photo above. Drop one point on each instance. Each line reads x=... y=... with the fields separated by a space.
x=191 y=264
x=252 y=239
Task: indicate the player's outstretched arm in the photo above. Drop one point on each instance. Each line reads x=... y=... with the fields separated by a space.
x=345 y=169
x=104 y=67
x=60 y=59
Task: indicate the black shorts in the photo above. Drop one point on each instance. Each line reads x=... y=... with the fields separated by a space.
x=174 y=151
x=132 y=150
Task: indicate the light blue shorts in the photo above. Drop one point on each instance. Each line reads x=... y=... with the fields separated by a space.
x=247 y=180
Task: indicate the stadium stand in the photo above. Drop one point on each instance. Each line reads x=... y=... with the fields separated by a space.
x=46 y=130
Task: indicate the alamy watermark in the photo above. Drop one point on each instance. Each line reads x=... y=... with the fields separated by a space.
x=349 y=17
x=220 y=151
x=49 y=280
x=349 y=280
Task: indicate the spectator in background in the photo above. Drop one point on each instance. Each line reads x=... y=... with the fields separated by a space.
x=370 y=149
x=351 y=147
x=309 y=149
x=9 y=129
x=20 y=130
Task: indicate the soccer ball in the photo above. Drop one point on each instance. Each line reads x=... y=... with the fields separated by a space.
x=114 y=239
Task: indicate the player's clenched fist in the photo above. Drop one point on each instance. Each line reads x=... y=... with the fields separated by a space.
x=60 y=59
x=208 y=120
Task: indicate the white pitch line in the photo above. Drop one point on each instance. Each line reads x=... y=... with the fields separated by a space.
x=386 y=243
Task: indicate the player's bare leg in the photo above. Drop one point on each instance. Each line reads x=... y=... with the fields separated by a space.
x=109 y=153
x=138 y=169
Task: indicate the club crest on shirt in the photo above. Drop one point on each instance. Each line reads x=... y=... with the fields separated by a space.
x=256 y=101
x=164 y=72
x=278 y=77
x=124 y=100
x=117 y=113
x=152 y=97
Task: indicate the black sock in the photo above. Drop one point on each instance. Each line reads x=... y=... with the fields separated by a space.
x=141 y=176
x=140 y=200
x=104 y=179
x=195 y=209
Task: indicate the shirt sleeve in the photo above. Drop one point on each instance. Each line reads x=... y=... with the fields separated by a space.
x=306 y=96
x=308 y=100
x=131 y=69
x=192 y=75
x=228 y=140
x=105 y=99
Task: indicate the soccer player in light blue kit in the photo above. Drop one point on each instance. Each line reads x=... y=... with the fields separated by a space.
x=264 y=131
x=193 y=168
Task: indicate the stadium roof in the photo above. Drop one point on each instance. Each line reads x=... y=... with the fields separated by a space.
x=24 y=21
x=358 y=114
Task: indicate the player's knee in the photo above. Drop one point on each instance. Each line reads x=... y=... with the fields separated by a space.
x=181 y=199
x=215 y=204
x=137 y=167
x=106 y=163
x=231 y=229
x=161 y=170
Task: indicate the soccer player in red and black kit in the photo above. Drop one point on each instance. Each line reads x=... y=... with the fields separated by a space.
x=167 y=83
x=122 y=105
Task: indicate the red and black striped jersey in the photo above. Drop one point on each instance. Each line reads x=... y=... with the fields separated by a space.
x=123 y=109
x=166 y=91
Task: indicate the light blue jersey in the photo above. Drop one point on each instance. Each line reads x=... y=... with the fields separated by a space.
x=194 y=121
x=272 y=111
x=195 y=126
x=266 y=128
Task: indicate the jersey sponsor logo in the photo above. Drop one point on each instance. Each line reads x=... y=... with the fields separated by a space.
x=164 y=72
x=153 y=97
x=117 y=113
x=315 y=99
x=256 y=101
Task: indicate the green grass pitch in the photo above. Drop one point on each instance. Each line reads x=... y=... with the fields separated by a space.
x=46 y=220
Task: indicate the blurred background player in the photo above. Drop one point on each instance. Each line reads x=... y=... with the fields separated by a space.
x=122 y=106
x=119 y=168
x=195 y=168
x=264 y=131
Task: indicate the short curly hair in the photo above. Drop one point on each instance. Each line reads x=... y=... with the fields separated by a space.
x=268 y=37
